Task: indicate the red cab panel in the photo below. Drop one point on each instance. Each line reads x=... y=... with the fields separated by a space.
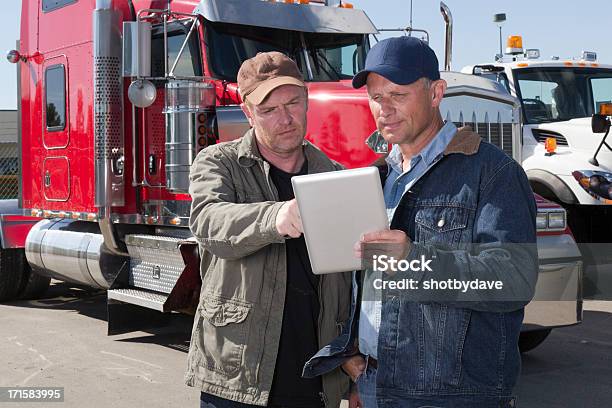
x=56 y=178
x=339 y=122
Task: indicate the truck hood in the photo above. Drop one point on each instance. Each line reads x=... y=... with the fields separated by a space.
x=581 y=142
x=339 y=122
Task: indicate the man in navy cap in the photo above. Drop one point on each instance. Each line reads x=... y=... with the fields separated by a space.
x=444 y=188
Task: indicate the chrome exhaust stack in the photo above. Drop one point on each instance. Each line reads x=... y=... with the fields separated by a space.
x=109 y=143
x=72 y=251
x=448 y=45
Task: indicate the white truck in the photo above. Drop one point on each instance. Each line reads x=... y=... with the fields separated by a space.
x=565 y=160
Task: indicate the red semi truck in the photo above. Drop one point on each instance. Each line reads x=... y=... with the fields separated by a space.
x=117 y=97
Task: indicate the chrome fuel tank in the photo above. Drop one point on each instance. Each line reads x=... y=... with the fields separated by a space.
x=72 y=251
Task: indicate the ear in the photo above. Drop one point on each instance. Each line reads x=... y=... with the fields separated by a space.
x=247 y=113
x=437 y=91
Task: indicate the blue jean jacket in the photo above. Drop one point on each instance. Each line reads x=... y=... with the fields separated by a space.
x=454 y=350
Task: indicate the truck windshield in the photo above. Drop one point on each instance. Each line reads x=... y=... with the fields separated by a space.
x=188 y=64
x=558 y=94
x=332 y=57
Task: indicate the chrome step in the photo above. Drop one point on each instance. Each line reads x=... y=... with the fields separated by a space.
x=139 y=297
x=156 y=262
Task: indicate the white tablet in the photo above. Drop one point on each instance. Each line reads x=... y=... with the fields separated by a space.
x=337 y=208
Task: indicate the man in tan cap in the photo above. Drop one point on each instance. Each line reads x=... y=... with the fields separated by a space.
x=262 y=311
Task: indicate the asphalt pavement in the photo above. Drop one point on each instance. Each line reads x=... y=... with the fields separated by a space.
x=61 y=341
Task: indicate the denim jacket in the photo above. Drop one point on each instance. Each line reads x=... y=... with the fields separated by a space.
x=454 y=350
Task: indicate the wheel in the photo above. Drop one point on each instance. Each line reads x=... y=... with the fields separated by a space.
x=33 y=285
x=11 y=274
x=532 y=339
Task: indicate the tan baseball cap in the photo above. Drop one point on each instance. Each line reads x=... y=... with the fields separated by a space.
x=260 y=75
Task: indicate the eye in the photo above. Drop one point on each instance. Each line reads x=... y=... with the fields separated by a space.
x=398 y=96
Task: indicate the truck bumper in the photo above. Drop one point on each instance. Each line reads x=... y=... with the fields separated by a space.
x=558 y=296
x=566 y=281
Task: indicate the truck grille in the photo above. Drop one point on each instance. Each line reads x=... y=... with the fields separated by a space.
x=498 y=134
x=541 y=135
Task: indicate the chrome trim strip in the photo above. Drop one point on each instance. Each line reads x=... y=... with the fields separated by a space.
x=138 y=297
x=156 y=220
x=153 y=242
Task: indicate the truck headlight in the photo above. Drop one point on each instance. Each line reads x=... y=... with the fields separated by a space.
x=556 y=220
x=541 y=220
x=597 y=183
x=551 y=219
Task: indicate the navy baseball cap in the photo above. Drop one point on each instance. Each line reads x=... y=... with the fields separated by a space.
x=402 y=60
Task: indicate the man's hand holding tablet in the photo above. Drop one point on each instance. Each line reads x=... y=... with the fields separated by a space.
x=393 y=243
x=288 y=221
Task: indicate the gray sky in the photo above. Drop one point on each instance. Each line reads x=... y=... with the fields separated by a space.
x=561 y=28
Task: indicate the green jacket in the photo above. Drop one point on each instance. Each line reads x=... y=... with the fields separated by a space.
x=238 y=322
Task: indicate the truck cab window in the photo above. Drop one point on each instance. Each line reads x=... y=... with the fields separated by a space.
x=227 y=52
x=332 y=57
x=189 y=63
x=538 y=99
x=55 y=97
x=50 y=5
x=602 y=91
x=335 y=62
x=500 y=77
x=560 y=94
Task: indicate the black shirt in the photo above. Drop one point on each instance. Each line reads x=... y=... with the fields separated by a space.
x=298 y=341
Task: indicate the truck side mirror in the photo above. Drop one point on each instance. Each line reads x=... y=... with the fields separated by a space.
x=600 y=123
x=136 y=49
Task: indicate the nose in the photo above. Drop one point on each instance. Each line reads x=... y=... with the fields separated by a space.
x=385 y=108
x=285 y=116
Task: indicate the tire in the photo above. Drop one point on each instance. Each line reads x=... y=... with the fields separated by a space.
x=11 y=274
x=532 y=339
x=33 y=285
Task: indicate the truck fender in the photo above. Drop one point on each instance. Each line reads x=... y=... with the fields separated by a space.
x=552 y=183
x=14 y=226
